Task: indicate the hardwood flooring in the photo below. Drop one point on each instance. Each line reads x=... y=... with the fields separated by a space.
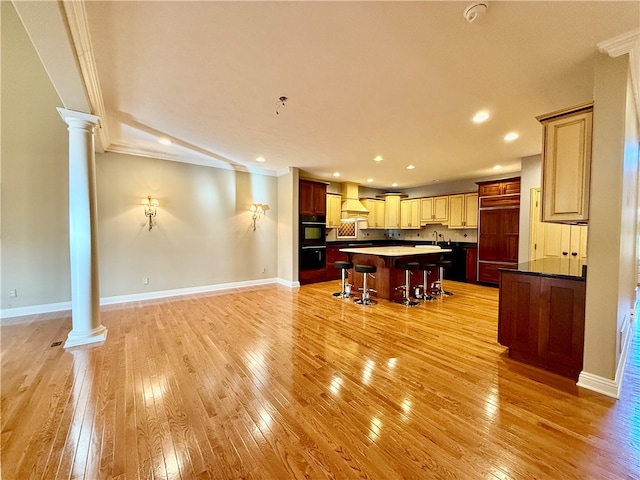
x=273 y=383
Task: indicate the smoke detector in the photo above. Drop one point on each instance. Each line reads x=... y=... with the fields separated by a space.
x=475 y=10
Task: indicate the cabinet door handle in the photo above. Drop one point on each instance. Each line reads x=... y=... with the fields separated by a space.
x=565 y=253
x=575 y=254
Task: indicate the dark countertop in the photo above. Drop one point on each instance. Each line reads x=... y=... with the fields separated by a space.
x=391 y=242
x=570 y=268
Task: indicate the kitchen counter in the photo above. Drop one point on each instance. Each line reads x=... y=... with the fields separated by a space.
x=396 y=251
x=570 y=268
x=387 y=277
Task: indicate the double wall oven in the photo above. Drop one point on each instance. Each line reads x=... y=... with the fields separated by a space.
x=313 y=248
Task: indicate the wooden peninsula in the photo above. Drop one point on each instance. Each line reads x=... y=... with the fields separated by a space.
x=541 y=313
x=387 y=277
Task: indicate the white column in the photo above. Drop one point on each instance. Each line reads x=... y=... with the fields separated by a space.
x=83 y=235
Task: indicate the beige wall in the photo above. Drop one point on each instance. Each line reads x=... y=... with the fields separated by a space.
x=288 y=227
x=612 y=217
x=203 y=234
x=34 y=153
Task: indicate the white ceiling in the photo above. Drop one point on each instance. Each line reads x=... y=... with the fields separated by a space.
x=396 y=79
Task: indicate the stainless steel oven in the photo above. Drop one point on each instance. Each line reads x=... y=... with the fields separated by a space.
x=312 y=242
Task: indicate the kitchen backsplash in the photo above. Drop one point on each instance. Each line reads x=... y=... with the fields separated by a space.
x=426 y=233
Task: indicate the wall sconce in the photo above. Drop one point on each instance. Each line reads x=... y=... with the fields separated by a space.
x=150 y=209
x=258 y=210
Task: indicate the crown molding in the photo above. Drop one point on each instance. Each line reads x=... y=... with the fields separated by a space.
x=213 y=162
x=76 y=16
x=628 y=43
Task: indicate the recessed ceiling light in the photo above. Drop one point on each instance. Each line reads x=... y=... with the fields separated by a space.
x=377 y=159
x=497 y=167
x=510 y=137
x=394 y=184
x=481 y=116
x=410 y=167
x=165 y=141
x=369 y=180
x=336 y=174
x=260 y=159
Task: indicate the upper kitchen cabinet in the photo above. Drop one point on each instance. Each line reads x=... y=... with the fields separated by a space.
x=313 y=198
x=334 y=204
x=463 y=210
x=392 y=211
x=566 y=164
x=434 y=210
x=410 y=214
x=376 y=212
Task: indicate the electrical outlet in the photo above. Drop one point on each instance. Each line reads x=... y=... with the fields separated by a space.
x=13 y=293
x=145 y=280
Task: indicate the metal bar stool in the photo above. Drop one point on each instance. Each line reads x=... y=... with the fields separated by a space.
x=406 y=288
x=437 y=287
x=422 y=290
x=366 y=297
x=345 y=291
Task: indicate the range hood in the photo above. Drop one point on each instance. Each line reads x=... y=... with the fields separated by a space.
x=352 y=209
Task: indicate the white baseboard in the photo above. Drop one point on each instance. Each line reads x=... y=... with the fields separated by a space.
x=136 y=297
x=607 y=386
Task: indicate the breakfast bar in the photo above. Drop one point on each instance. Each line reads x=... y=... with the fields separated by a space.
x=387 y=277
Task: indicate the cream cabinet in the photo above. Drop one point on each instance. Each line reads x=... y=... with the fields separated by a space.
x=434 y=210
x=554 y=240
x=334 y=205
x=392 y=211
x=564 y=241
x=463 y=210
x=566 y=164
x=410 y=214
x=376 y=212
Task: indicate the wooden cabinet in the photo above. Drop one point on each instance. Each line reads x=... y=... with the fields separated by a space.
x=509 y=186
x=392 y=211
x=313 y=198
x=555 y=240
x=434 y=210
x=471 y=260
x=564 y=241
x=463 y=210
x=541 y=320
x=410 y=214
x=376 y=212
x=566 y=164
x=334 y=204
x=333 y=255
x=498 y=228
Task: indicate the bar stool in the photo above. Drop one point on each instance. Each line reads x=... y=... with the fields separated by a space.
x=406 y=288
x=426 y=268
x=437 y=287
x=366 y=298
x=343 y=266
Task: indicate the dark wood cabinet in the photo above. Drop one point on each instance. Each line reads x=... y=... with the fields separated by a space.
x=498 y=228
x=313 y=198
x=471 y=260
x=541 y=320
x=334 y=255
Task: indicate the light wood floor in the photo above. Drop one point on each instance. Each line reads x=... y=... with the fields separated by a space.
x=276 y=383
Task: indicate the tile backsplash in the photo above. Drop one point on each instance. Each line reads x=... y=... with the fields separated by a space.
x=424 y=234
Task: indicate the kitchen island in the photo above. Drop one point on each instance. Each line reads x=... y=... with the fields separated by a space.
x=541 y=313
x=387 y=277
